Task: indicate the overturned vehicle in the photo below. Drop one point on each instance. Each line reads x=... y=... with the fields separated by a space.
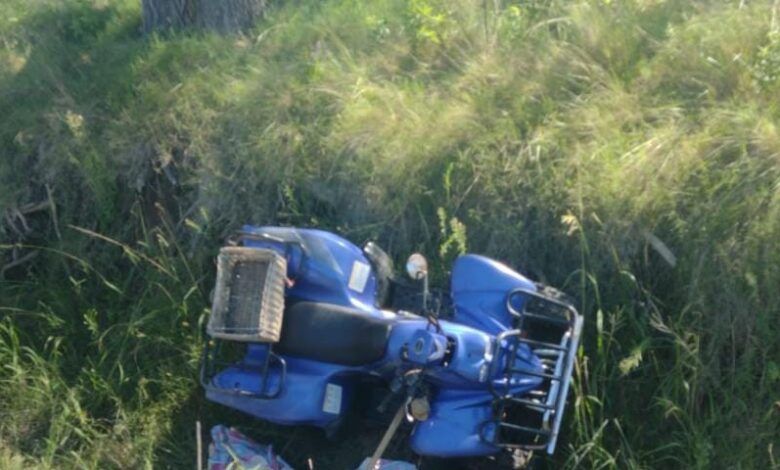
x=481 y=369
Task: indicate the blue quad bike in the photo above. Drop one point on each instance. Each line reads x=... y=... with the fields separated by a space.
x=481 y=370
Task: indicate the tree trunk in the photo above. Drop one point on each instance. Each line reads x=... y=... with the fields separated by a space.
x=224 y=16
x=161 y=15
x=229 y=15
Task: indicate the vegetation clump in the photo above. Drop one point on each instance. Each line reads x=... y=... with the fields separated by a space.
x=625 y=151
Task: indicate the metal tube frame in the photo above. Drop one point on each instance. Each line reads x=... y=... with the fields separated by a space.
x=210 y=362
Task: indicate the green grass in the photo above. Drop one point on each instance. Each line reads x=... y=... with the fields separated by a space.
x=581 y=141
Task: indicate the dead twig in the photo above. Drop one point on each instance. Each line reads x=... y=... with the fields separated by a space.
x=9 y=219
x=33 y=207
x=53 y=208
x=29 y=256
x=199 y=441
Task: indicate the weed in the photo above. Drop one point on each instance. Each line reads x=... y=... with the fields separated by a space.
x=627 y=152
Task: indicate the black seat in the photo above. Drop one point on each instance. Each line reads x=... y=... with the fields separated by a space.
x=332 y=333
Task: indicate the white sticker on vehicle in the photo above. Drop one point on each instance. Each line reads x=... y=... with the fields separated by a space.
x=332 y=402
x=359 y=276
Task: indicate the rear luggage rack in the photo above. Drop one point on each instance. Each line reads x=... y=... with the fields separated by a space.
x=551 y=329
x=271 y=364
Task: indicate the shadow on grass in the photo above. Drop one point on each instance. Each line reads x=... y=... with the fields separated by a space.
x=75 y=65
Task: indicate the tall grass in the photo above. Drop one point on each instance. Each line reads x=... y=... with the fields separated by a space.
x=628 y=152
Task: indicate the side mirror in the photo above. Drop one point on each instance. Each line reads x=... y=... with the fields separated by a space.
x=417 y=266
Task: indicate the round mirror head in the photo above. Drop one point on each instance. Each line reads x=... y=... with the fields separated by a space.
x=417 y=266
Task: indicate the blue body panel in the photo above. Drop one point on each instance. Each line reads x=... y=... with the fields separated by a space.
x=303 y=393
x=323 y=267
x=450 y=430
x=479 y=291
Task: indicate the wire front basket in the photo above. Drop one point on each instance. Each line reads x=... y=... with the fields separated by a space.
x=249 y=295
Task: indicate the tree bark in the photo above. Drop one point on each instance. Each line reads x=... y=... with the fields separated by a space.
x=162 y=15
x=229 y=15
x=224 y=16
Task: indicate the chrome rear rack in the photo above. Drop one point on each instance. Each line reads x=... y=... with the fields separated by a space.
x=551 y=329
